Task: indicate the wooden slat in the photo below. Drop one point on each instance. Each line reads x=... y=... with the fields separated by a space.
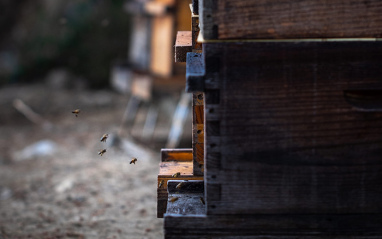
x=282 y=138
x=183 y=44
x=195 y=71
x=265 y=19
x=176 y=155
x=279 y=226
x=168 y=168
x=198 y=133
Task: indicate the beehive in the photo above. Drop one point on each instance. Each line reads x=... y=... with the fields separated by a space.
x=292 y=120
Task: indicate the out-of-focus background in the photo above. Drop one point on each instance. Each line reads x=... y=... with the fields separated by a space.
x=113 y=60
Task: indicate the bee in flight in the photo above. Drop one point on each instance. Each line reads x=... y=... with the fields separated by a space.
x=102 y=152
x=76 y=112
x=175 y=175
x=161 y=183
x=202 y=200
x=104 y=137
x=134 y=160
x=173 y=199
x=179 y=186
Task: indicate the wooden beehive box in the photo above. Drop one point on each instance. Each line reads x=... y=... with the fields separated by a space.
x=292 y=120
x=282 y=132
x=303 y=19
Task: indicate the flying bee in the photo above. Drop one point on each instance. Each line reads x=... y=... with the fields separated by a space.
x=202 y=200
x=173 y=199
x=102 y=152
x=179 y=186
x=104 y=137
x=76 y=112
x=175 y=175
x=161 y=183
x=134 y=160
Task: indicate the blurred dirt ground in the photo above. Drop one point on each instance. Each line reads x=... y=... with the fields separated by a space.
x=73 y=192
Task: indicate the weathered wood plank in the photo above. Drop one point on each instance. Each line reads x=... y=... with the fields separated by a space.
x=199 y=159
x=264 y=19
x=198 y=133
x=268 y=189
x=280 y=134
x=176 y=155
x=183 y=45
x=194 y=73
x=170 y=167
x=279 y=226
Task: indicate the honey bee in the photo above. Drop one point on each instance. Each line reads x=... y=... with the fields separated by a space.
x=161 y=183
x=102 y=152
x=134 y=160
x=104 y=137
x=173 y=199
x=179 y=186
x=175 y=175
x=202 y=200
x=76 y=112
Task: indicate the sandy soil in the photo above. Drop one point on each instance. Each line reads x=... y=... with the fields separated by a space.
x=73 y=192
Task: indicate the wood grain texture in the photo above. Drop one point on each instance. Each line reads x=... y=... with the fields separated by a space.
x=275 y=19
x=170 y=167
x=353 y=226
x=281 y=134
x=183 y=44
x=198 y=133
